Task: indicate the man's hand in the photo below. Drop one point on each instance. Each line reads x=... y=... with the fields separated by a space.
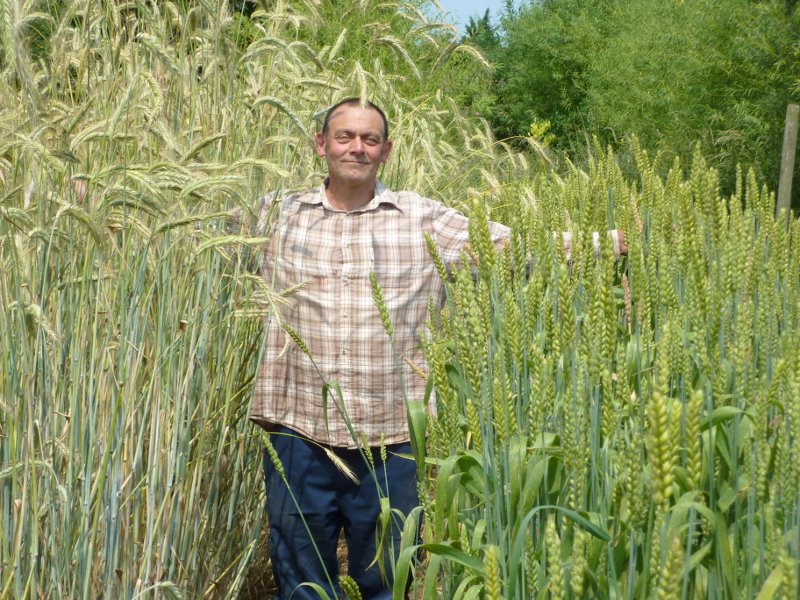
x=618 y=239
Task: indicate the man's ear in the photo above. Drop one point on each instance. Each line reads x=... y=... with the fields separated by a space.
x=319 y=144
x=387 y=149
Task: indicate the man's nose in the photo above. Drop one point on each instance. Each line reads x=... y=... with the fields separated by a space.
x=356 y=145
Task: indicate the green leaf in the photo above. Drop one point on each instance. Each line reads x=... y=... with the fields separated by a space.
x=723 y=553
x=318 y=589
x=447 y=551
x=430 y=591
x=723 y=413
x=417 y=424
x=772 y=584
x=408 y=551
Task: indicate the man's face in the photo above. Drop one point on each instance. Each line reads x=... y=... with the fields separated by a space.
x=355 y=146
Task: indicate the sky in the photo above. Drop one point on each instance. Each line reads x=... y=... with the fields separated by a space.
x=462 y=10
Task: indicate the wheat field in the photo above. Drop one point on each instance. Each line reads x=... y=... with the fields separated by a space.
x=606 y=428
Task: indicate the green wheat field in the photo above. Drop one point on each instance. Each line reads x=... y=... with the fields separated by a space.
x=606 y=429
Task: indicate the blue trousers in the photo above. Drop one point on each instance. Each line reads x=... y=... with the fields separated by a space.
x=304 y=529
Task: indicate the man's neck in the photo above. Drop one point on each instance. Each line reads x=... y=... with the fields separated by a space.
x=349 y=198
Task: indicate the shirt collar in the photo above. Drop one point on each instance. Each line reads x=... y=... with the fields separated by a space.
x=383 y=195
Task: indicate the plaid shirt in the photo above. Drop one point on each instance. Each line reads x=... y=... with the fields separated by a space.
x=328 y=256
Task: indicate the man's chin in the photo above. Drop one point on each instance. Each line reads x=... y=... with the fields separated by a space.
x=357 y=180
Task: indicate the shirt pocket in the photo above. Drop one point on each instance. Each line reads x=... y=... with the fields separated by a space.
x=306 y=258
x=404 y=268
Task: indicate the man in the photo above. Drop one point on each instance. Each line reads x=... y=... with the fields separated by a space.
x=326 y=244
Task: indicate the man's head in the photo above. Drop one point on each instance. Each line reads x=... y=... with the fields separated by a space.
x=354 y=143
x=356 y=102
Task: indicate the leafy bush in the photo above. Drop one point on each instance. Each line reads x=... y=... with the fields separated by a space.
x=674 y=74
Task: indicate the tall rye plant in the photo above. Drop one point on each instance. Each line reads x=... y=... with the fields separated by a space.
x=619 y=430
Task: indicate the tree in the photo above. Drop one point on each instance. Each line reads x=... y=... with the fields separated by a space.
x=481 y=33
x=675 y=74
